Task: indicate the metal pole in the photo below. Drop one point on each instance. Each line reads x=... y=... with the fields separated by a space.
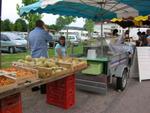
x=101 y=34
x=0 y=36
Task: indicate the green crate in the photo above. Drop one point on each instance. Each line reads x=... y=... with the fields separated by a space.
x=94 y=69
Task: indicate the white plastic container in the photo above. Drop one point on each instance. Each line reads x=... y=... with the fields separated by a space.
x=91 y=54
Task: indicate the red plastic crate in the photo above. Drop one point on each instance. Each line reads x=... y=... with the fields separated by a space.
x=11 y=104
x=62 y=92
x=65 y=103
x=65 y=82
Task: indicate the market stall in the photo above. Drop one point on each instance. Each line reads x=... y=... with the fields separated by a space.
x=58 y=75
x=95 y=10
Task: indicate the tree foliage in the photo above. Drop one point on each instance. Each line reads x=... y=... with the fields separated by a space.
x=89 y=26
x=30 y=18
x=53 y=27
x=20 y=25
x=6 y=25
x=62 y=21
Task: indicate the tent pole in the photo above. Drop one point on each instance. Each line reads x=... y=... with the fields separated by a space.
x=0 y=36
x=101 y=5
x=101 y=38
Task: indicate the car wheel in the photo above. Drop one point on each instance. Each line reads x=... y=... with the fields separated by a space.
x=122 y=81
x=11 y=50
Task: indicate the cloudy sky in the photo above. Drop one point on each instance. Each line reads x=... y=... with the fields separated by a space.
x=9 y=12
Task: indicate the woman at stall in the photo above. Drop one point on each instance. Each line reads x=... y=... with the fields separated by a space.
x=116 y=38
x=60 y=48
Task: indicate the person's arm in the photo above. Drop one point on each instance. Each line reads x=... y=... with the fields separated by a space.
x=119 y=40
x=59 y=52
x=28 y=43
x=46 y=36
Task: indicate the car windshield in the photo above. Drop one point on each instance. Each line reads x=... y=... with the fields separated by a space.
x=13 y=36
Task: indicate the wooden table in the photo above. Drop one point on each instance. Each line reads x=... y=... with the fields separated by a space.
x=21 y=87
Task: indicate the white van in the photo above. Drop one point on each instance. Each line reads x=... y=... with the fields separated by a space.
x=73 y=39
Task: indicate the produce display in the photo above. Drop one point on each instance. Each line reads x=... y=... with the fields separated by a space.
x=75 y=63
x=52 y=67
x=46 y=67
x=28 y=69
x=20 y=72
x=6 y=81
x=35 y=62
x=23 y=74
x=53 y=71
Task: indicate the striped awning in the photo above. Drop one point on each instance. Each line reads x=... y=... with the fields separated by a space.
x=91 y=9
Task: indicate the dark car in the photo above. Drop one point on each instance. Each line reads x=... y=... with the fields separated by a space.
x=55 y=40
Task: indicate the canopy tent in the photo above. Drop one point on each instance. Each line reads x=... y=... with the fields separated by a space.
x=97 y=10
x=91 y=9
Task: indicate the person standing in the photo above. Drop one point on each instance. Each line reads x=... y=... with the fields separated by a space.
x=38 y=43
x=38 y=40
x=60 y=48
x=148 y=37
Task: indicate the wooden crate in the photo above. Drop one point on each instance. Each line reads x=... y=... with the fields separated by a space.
x=48 y=72
x=60 y=73
x=27 y=78
x=44 y=72
x=9 y=86
x=23 y=65
x=66 y=65
x=82 y=65
x=74 y=68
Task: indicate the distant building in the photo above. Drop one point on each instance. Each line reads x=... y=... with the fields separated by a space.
x=81 y=33
x=107 y=28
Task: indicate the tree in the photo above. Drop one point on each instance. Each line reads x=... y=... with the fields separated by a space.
x=53 y=28
x=89 y=26
x=62 y=21
x=6 y=25
x=20 y=25
x=30 y=18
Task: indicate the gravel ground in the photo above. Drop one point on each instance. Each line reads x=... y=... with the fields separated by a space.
x=134 y=99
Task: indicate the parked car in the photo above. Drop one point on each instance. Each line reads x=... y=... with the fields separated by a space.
x=73 y=39
x=55 y=40
x=12 y=42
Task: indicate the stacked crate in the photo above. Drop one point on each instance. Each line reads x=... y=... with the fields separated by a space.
x=11 y=104
x=62 y=92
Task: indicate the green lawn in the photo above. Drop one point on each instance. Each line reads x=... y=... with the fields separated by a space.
x=7 y=59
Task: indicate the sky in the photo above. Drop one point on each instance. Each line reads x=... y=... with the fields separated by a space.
x=9 y=12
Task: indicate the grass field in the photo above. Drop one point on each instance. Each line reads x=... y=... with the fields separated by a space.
x=7 y=59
